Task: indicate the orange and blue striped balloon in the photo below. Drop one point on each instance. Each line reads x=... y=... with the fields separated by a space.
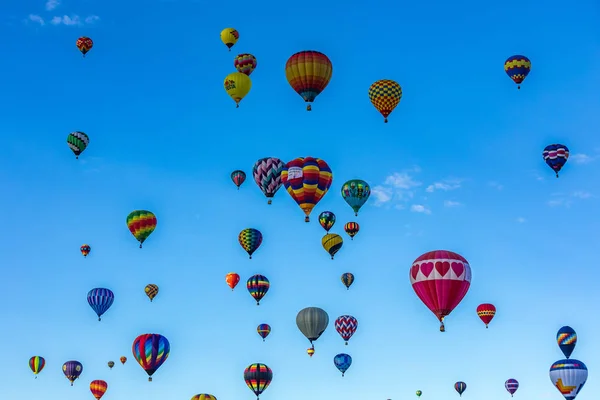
x=517 y=68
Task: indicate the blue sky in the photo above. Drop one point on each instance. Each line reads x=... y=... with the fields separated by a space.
x=458 y=167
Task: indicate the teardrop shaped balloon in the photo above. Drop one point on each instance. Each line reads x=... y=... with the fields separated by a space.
x=351 y=228
x=258 y=286
x=151 y=350
x=245 y=63
x=556 y=156
x=123 y=360
x=229 y=37
x=238 y=177
x=441 y=280
x=250 y=240
x=567 y=340
x=356 y=192
x=460 y=387
x=37 y=364
x=346 y=326
x=327 y=220
x=263 y=330
x=486 y=312
x=385 y=95
x=310 y=351
x=267 y=175
x=308 y=73
x=419 y=393
x=232 y=280
x=151 y=291
x=347 y=279
x=78 y=142
x=517 y=68
x=72 y=370
x=569 y=376
x=111 y=364
x=85 y=250
x=511 y=386
x=307 y=180
x=98 y=388
x=84 y=44
x=141 y=224
x=332 y=243
x=342 y=362
x=312 y=322
x=237 y=86
x=258 y=377
x=100 y=299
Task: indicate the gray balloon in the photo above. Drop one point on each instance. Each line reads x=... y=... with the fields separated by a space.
x=312 y=322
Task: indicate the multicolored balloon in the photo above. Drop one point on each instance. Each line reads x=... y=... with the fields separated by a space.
x=441 y=279
x=267 y=175
x=569 y=376
x=111 y=364
x=310 y=351
x=84 y=44
x=72 y=370
x=556 y=156
x=332 y=243
x=229 y=37
x=98 y=388
x=486 y=312
x=238 y=177
x=342 y=361
x=385 y=95
x=100 y=299
x=327 y=220
x=312 y=322
x=258 y=286
x=511 y=386
x=123 y=360
x=141 y=224
x=566 y=339
x=37 y=364
x=204 y=396
x=151 y=350
x=308 y=73
x=307 y=180
x=232 y=280
x=263 y=330
x=258 y=377
x=237 y=86
x=245 y=63
x=250 y=240
x=356 y=192
x=517 y=68
x=460 y=387
x=346 y=326
x=351 y=228
x=78 y=142
x=151 y=291
x=347 y=279
x=85 y=249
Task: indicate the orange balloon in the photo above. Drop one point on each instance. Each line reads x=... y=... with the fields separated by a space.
x=232 y=279
x=123 y=359
x=98 y=388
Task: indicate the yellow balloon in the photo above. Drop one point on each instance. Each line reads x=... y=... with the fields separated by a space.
x=237 y=85
x=332 y=243
x=229 y=36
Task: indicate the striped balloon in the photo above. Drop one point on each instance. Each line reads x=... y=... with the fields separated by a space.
x=568 y=376
x=352 y=228
x=151 y=291
x=267 y=175
x=263 y=330
x=258 y=286
x=100 y=299
x=511 y=386
x=238 y=177
x=151 y=350
x=308 y=73
x=460 y=387
x=332 y=243
x=486 y=313
x=204 y=397
x=98 y=388
x=556 y=156
x=78 y=142
x=141 y=224
x=245 y=63
x=250 y=240
x=346 y=326
x=517 y=68
x=258 y=378
x=37 y=364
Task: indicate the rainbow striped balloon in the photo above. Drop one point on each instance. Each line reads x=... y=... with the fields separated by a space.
x=141 y=224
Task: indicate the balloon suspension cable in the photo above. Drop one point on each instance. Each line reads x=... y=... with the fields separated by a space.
x=346 y=343
x=263 y=339
x=269 y=201
x=258 y=303
x=71 y=383
x=486 y=326
x=237 y=106
x=149 y=379
x=306 y=219
x=250 y=257
x=519 y=87
x=332 y=257
x=557 y=174
x=385 y=120
x=99 y=318
x=342 y=374
x=77 y=157
x=308 y=108
x=140 y=245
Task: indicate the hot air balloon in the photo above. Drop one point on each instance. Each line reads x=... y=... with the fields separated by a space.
x=419 y=393
x=267 y=175
x=517 y=68
x=245 y=63
x=342 y=361
x=72 y=370
x=352 y=228
x=84 y=44
x=347 y=279
x=204 y=396
x=98 y=388
x=238 y=177
x=258 y=286
x=441 y=279
x=110 y=364
x=141 y=224
x=332 y=243
x=385 y=95
x=37 y=364
x=151 y=351
x=566 y=339
x=85 y=250
x=312 y=322
x=229 y=37
x=511 y=386
x=250 y=240
x=310 y=351
x=151 y=291
x=78 y=142
x=123 y=360
x=100 y=299
x=568 y=376
x=346 y=325
x=327 y=220
x=237 y=86
x=460 y=387
x=263 y=330
x=308 y=73
x=258 y=377
x=356 y=192
x=232 y=280
x=307 y=180
x=556 y=156
x=486 y=313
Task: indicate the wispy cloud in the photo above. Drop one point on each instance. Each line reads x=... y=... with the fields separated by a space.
x=66 y=20
x=495 y=185
x=450 y=203
x=581 y=158
x=92 y=19
x=419 y=208
x=52 y=4
x=521 y=220
x=561 y=199
x=446 y=184
x=581 y=195
x=36 y=18
x=397 y=187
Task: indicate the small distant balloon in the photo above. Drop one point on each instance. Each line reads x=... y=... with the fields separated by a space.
x=78 y=142
x=351 y=228
x=232 y=280
x=238 y=177
x=332 y=243
x=347 y=279
x=327 y=220
x=229 y=37
x=151 y=291
x=100 y=300
x=342 y=361
x=110 y=364
x=98 y=388
x=566 y=339
x=517 y=68
x=72 y=370
x=556 y=156
x=263 y=330
x=85 y=249
x=37 y=364
x=250 y=239
x=258 y=286
x=486 y=312
x=245 y=63
x=511 y=386
x=84 y=44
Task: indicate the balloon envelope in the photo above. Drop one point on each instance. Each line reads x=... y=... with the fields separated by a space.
x=566 y=339
x=568 y=376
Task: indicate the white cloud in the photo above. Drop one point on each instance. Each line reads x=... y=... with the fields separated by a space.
x=37 y=19
x=495 y=185
x=52 y=4
x=581 y=195
x=450 y=203
x=91 y=19
x=397 y=187
x=521 y=220
x=581 y=158
x=558 y=202
x=382 y=194
x=66 y=20
x=447 y=184
x=419 y=208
